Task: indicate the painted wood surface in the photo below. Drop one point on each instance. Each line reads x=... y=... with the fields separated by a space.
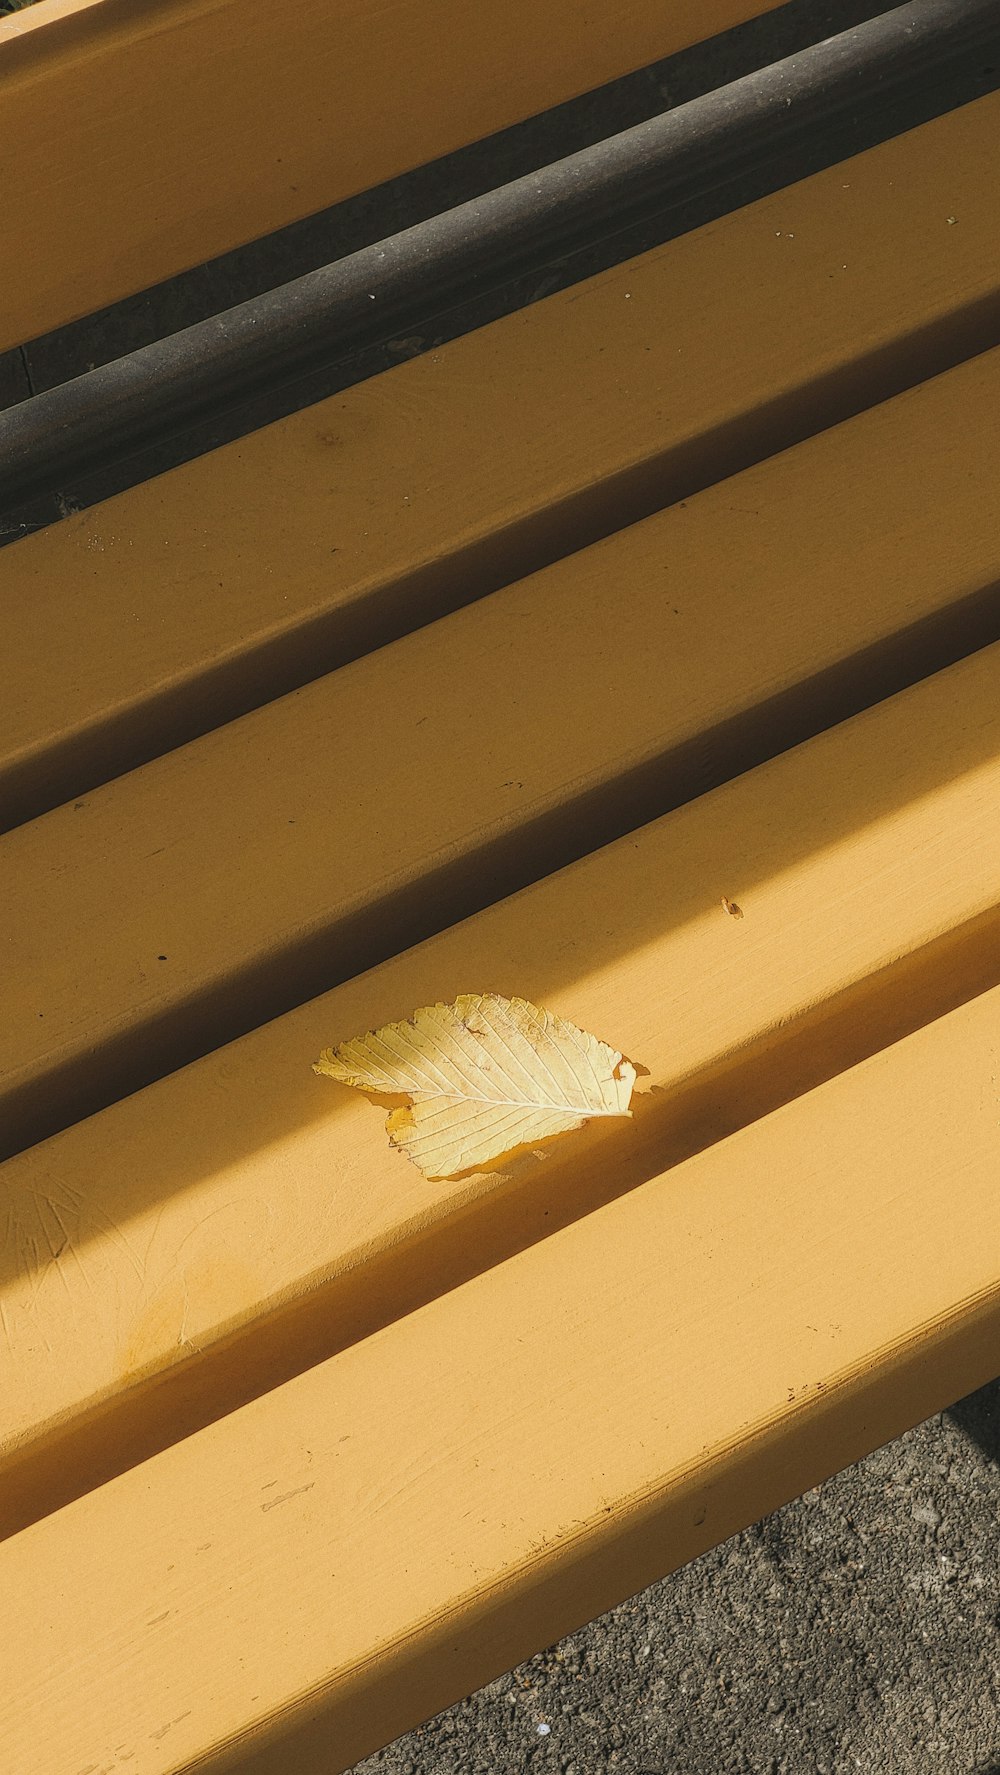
x=297 y=1447
x=304 y=1579
x=151 y=137
x=188 y=600
x=203 y=1240
x=223 y=883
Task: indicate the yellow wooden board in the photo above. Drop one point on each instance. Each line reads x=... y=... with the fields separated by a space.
x=201 y=1241
x=131 y=627
x=252 y=868
x=146 y=139
x=298 y=1583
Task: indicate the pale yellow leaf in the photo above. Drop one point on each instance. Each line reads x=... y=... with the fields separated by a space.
x=484 y=1075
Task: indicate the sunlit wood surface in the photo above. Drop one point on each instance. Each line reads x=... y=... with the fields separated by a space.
x=639 y=655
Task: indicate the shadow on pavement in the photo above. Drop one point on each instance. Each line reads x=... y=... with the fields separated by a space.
x=978 y=1417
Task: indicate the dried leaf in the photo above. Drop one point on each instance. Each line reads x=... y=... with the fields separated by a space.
x=484 y=1075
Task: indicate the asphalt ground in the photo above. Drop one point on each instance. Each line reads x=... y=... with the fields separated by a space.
x=857 y=1629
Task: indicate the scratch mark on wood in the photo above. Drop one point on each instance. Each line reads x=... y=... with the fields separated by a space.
x=163 y=1730
x=284 y=1496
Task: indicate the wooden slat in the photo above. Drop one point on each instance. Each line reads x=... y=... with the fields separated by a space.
x=197 y=1243
x=231 y=879
x=136 y=625
x=190 y=126
x=298 y=1583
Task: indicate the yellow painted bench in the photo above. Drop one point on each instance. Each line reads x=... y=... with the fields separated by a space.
x=509 y=669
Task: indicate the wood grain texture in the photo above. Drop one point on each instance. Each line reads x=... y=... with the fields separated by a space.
x=187 y=127
x=222 y=1230
x=245 y=872
x=184 y=602
x=316 y=1573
